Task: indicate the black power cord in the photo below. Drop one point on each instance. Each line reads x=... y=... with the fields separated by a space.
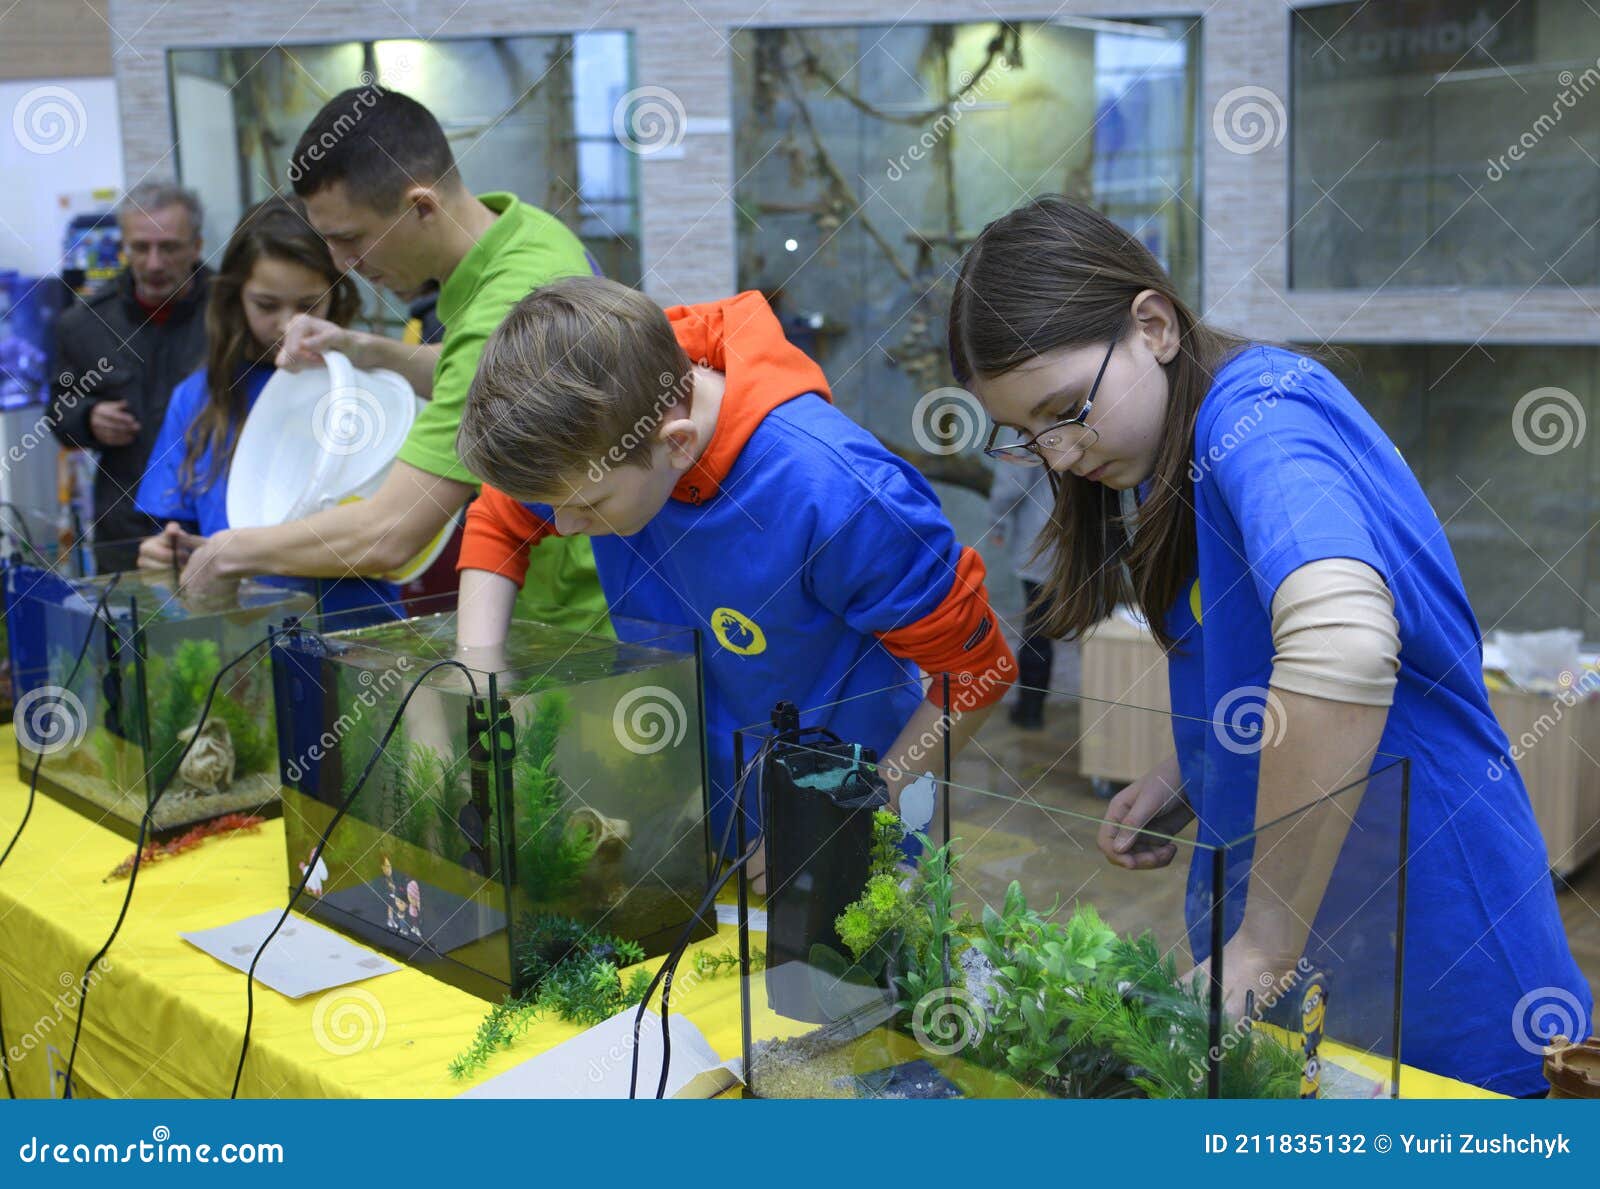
x=33 y=777
x=669 y=964
x=311 y=864
x=146 y=823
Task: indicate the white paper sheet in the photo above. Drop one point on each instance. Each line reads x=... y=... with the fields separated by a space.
x=304 y=957
x=728 y=914
x=598 y=1064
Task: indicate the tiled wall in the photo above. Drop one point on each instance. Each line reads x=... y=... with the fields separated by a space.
x=687 y=208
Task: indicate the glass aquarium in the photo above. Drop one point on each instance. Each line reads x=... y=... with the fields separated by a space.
x=111 y=674
x=998 y=953
x=473 y=818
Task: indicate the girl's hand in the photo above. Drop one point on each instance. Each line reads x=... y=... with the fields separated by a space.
x=205 y=581
x=1248 y=967
x=1133 y=808
x=169 y=548
x=306 y=338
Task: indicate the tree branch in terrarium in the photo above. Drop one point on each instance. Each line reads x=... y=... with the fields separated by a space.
x=1006 y=43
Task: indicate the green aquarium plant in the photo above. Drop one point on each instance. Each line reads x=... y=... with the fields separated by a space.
x=714 y=964
x=1077 y=1010
x=567 y=971
x=552 y=852
x=889 y=916
x=1067 y=1005
x=421 y=791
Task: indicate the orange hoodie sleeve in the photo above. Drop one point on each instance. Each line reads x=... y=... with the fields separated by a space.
x=498 y=534
x=961 y=637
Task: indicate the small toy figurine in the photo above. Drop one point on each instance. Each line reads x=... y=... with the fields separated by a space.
x=392 y=898
x=318 y=873
x=1313 y=1013
x=414 y=909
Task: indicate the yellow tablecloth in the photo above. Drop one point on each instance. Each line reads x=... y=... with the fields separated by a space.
x=165 y=1020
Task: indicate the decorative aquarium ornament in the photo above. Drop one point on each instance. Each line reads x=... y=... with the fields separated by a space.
x=608 y=835
x=210 y=762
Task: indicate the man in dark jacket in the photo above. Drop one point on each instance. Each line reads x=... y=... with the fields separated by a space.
x=122 y=350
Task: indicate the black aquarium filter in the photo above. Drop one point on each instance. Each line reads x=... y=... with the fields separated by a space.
x=818 y=797
x=489 y=763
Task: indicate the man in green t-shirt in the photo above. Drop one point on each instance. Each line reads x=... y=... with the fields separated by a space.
x=380 y=184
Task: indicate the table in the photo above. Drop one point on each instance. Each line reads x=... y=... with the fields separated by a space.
x=165 y=1020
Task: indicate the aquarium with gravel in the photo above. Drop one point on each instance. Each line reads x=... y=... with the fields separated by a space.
x=111 y=674
x=565 y=784
x=1010 y=958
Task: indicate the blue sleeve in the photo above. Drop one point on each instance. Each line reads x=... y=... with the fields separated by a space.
x=160 y=495
x=883 y=556
x=1290 y=469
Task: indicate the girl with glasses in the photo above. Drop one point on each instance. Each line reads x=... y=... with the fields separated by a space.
x=1282 y=551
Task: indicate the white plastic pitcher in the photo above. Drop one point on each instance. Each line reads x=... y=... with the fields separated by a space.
x=321 y=437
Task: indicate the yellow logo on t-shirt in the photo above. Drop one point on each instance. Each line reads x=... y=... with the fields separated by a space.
x=1194 y=600
x=737 y=632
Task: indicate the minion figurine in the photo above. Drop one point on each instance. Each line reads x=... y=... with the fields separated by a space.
x=1313 y=1011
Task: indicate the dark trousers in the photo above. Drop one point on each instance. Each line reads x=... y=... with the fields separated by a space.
x=1037 y=652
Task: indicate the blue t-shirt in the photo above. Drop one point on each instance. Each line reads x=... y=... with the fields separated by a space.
x=819 y=540
x=1288 y=468
x=202 y=506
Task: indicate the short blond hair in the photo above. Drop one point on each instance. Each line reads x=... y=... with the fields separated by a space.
x=575 y=380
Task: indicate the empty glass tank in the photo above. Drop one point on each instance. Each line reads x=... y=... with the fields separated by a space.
x=1018 y=961
x=570 y=782
x=110 y=675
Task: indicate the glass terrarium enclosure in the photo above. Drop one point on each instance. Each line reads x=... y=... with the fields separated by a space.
x=569 y=784
x=111 y=674
x=999 y=953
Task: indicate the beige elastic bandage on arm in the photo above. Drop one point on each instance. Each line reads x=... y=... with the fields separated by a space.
x=1334 y=633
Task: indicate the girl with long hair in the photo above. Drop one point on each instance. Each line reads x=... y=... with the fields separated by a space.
x=275 y=267
x=1284 y=554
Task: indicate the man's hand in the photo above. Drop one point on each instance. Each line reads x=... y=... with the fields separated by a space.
x=112 y=424
x=307 y=338
x=168 y=549
x=206 y=579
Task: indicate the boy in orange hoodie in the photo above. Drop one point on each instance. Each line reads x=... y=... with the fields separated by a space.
x=700 y=450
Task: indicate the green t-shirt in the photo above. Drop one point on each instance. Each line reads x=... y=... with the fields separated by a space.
x=524 y=248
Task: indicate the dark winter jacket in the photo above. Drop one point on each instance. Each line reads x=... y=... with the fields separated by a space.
x=108 y=347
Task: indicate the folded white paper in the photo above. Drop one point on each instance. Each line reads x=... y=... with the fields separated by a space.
x=599 y=1062
x=304 y=958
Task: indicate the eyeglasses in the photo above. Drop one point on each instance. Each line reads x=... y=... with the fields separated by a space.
x=1030 y=453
